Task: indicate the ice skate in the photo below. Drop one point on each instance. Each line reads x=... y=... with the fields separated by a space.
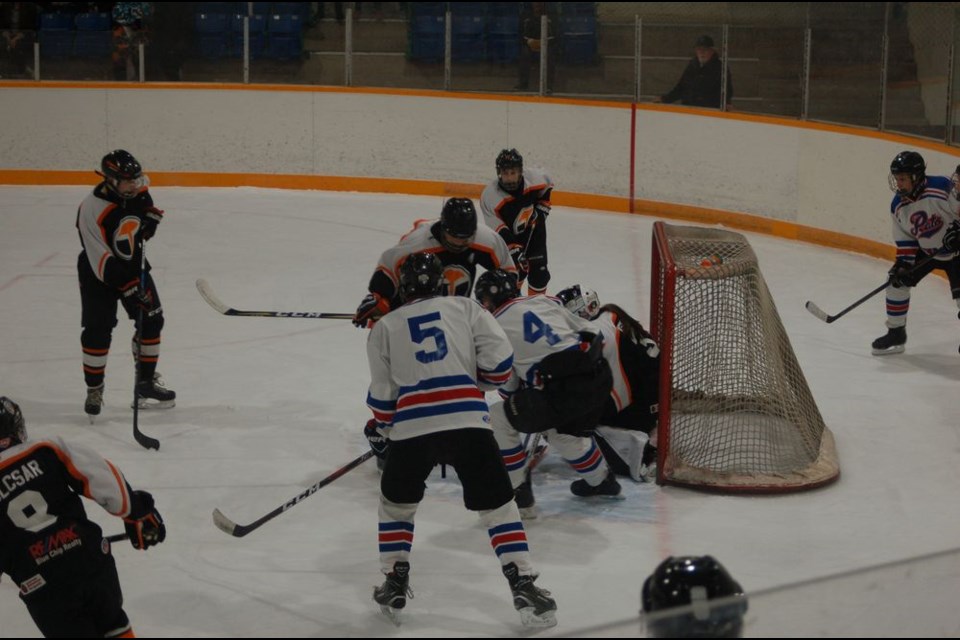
x=94 y=402
x=536 y=607
x=891 y=343
x=609 y=488
x=393 y=593
x=648 y=463
x=152 y=394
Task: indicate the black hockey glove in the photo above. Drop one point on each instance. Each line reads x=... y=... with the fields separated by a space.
x=543 y=209
x=153 y=218
x=951 y=237
x=902 y=274
x=143 y=299
x=372 y=308
x=144 y=525
x=379 y=443
x=523 y=265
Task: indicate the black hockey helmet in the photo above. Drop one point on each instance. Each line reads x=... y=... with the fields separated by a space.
x=458 y=220
x=121 y=165
x=509 y=159
x=495 y=287
x=421 y=276
x=709 y=602
x=13 y=430
x=912 y=164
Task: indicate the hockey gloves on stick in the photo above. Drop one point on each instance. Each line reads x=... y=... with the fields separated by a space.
x=153 y=218
x=372 y=308
x=143 y=299
x=901 y=274
x=543 y=209
x=951 y=237
x=520 y=259
x=378 y=442
x=144 y=525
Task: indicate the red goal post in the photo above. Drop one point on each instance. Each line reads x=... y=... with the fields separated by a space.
x=736 y=413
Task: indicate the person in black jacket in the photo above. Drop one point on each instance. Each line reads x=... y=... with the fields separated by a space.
x=699 y=86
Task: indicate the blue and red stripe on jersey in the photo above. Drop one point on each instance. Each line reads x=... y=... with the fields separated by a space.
x=383 y=410
x=897 y=307
x=499 y=374
x=439 y=396
x=514 y=459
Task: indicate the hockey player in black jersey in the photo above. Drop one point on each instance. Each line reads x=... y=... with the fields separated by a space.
x=56 y=555
x=114 y=221
x=516 y=206
x=455 y=239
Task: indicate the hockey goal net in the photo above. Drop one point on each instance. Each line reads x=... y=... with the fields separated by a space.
x=736 y=413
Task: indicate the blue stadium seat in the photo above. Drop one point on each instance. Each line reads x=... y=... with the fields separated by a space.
x=93 y=22
x=93 y=44
x=582 y=9
x=503 y=37
x=284 y=39
x=495 y=9
x=212 y=31
x=301 y=9
x=467 y=38
x=418 y=9
x=260 y=8
x=258 y=39
x=56 y=21
x=225 y=8
x=579 y=36
x=56 y=43
x=427 y=38
x=469 y=9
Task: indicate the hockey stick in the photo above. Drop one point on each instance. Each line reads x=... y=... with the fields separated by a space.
x=227 y=525
x=822 y=315
x=142 y=439
x=207 y=293
x=117 y=537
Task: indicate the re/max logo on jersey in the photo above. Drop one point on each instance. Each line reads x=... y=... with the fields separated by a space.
x=55 y=544
x=924 y=225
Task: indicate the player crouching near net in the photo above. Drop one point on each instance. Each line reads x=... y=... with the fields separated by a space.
x=633 y=405
x=431 y=359
x=559 y=385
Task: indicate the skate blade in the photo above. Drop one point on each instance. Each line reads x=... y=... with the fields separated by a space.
x=392 y=614
x=545 y=620
x=149 y=404
x=889 y=352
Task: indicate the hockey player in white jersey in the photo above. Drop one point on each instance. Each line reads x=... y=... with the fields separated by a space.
x=925 y=213
x=633 y=405
x=430 y=361
x=516 y=206
x=559 y=385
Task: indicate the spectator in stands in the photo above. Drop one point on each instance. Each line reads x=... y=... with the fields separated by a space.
x=532 y=43
x=18 y=31
x=128 y=33
x=699 y=86
x=170 y=28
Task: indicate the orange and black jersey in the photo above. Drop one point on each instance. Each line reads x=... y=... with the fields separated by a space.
x=512 y=214
x=459 y=269
x=45 y=535
x=110 y=229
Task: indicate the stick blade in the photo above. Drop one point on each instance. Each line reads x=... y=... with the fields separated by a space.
x=228 y=526
x=206 y=292
x=817 y=311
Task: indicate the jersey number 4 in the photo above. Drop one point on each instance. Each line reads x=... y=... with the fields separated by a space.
x=534 y=328
x=420 y=331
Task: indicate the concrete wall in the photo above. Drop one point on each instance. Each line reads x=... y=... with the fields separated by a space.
x=828 y=178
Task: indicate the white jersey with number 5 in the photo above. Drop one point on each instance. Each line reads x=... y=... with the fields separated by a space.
x=430 y=361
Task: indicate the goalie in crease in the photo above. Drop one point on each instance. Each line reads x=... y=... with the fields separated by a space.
x=925 y=214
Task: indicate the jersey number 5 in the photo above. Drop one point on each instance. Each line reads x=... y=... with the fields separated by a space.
x=419 y=331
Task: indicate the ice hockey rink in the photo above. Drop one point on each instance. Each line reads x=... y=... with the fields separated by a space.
x=267 y=407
